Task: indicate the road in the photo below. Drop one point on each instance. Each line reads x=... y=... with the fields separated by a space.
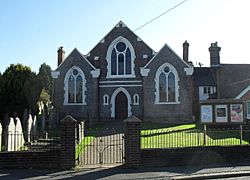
x=239 y=171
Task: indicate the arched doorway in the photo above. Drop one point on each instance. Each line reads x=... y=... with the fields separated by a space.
x=121 y=106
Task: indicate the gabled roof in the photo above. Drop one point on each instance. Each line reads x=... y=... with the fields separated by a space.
x=77 y=51
x=168 y=47
x=235 y=77
x=120 y=23
x=203 y=76
x=242 y=93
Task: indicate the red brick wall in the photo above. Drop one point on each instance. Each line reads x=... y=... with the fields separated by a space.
x=30 y=159
x=194 y=156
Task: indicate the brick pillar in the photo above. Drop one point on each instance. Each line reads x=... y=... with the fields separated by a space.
x=132 y=134
x=68 y=143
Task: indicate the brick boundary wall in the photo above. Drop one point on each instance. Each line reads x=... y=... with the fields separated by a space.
x=30 y=159
x=195 y=156
x=63 y=157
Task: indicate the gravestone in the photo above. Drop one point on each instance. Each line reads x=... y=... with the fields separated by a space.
x=19 y=139
x=34 y=127
x=10 y=139
x=29 y=127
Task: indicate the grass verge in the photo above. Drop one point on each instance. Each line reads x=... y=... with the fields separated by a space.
x=189 y=136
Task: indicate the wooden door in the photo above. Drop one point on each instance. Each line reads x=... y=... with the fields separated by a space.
x=121 y=106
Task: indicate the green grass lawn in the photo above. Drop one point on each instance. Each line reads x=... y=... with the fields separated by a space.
x=80 y=148
x=155 y=135
x=187 y=136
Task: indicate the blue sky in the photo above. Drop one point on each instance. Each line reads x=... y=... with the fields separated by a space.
x=32 y=31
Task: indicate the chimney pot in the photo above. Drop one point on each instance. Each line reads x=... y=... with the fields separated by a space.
x=60 y=55
x=214 y=50
x=185 y=51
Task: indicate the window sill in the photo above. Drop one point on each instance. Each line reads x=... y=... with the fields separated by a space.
x=74 y=104
x=120 y=76
x=168 y=102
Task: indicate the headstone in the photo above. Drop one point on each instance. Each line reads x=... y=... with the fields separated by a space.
x=29 y=127
x=10 y=139
x=19 y=139
x=34 y=127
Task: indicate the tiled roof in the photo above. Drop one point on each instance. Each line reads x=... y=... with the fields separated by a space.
x=203 y=77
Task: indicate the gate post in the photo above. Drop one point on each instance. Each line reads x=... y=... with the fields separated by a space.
x=132 y=134
x=68 y=143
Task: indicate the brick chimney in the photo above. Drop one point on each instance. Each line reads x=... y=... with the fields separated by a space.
x=214 y=50
x=60 y=55
x=185 y=51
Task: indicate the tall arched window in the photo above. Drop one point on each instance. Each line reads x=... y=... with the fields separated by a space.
x=74 y=86
x=166 y=84
x=120 y=57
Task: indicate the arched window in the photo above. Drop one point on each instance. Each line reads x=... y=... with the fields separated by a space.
x=166 y=84
x=106 y=99
x=74 y=86
x=136 y=99
x=120 y=57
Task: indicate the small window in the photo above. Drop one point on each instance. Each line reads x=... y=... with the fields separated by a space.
x=105 y=99
x=207 y=90
x=144 y=56
x=136 y=99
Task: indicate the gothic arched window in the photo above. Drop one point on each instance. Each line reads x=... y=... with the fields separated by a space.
x=167 y=89
x=74 y=86
x=120 y=57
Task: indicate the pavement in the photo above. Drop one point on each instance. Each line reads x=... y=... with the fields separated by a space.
x=222 y=171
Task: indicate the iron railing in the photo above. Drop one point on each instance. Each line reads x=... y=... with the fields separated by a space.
x=193 y=138
x=22 y=141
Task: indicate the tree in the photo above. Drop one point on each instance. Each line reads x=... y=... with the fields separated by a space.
x=46 y=78
x=32 y=91
x=15 y=81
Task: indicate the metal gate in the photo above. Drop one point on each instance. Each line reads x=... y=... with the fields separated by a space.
x=101 y=147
